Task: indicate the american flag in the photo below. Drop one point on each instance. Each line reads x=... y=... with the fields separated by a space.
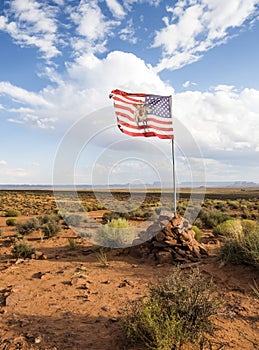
x=143 y=114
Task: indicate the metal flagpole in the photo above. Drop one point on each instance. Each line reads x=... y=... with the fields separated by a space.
x=174 y=180
x=173 y=158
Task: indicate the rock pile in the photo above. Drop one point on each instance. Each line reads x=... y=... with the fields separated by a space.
x=168 y=240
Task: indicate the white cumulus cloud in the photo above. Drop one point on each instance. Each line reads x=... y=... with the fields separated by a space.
x=193 y=27
x=116 y=8
x=32 y=23
x=84 y=88
x=221 y=120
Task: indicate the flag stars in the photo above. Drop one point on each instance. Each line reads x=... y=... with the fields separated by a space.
x=159 y=105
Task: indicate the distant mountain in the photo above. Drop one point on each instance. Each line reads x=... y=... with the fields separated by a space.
x=244 y=184
x=155 y=184
x=220 y=184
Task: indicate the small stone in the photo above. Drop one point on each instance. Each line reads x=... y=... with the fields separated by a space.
x=83 y=286
x=196 y=251
x=130 y=283
x=160 y=236
x=203 y=251
x=137 y=241
x=179 y=258
x=38 y=340
x=122 y=284
x=158 y=244
x=180 y=251
x=164 y=257
x=168 y=230
x=19 y=261
x=114 y=319
x=163 y=223
x=144 y=236
x=177 y=221
x=38 y=255
x=105 y=308
x=154 y=228
x=171 y=242
x=38 y=275
x=165 y=214
x=187 y=236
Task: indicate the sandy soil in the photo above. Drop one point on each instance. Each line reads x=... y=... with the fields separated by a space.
x=70 y=302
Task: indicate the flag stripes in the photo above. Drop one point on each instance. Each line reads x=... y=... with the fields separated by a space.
x=143 y=115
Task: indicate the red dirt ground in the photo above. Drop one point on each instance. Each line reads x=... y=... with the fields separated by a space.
x=70 y=302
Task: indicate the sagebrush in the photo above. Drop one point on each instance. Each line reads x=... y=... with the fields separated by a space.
x=242 y=247
x=176 y=311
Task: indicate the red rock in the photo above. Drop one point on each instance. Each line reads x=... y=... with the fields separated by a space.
x=158 y=244
x=167 y=230
x=160 y=236
x=177 y=221
x=164 y=257
x=171 y=242
x=186 y=236
x=154 y=229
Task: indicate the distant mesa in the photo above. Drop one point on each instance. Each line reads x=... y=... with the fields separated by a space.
x=155 y=185
x=244 y=184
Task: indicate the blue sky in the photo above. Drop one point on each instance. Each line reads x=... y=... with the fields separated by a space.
x=60 y=60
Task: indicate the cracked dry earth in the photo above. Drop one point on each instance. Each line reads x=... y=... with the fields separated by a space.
x=68 y=301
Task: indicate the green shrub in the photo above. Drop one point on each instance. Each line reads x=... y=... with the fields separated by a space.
x=177 y=311
x=49 y=225
x=242 y=248
x=11 y=222
x=212 y=218
x=12 y=213
x=198 y=223
x=24 y=228
x=108 y=216
x=102 y=258
x=22 y=250
x=198 y=233
x=233 y=204
x=73 y=220
x=47 y=218
x=248 y=226
x=229 y=227
x=72 y=243
x=116 y=233
x=50 y=229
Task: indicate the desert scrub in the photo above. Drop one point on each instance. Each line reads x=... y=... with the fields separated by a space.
x=255 y=288
x=50 y=227
x=212 y=218
x=73 y=220
x=12 y=213
x=102 y=258
x=228 y=228
x=22 y=250
x=242 y=248
x=177 y=311
x=248 y=226
x=116 y=233
x=47 y=218
x=24 y=228
x=11 y=222
x=198 y=233
x=72 y=243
